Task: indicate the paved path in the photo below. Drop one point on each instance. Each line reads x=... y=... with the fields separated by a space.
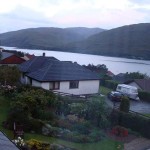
x=138 y=144
x=137 y=106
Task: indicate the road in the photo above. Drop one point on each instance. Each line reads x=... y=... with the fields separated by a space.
x=137 y=106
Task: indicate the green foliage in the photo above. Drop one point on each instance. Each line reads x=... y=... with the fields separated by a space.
x=125 y=104
x=100 y=68
x=135 y=122
x=97 y=112
x=135 y=75
x=110 y=84
x=9 y=75
x=145 y=96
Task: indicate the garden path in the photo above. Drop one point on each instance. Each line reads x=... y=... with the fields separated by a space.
x=138 y=144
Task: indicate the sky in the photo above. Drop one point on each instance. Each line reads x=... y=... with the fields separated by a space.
x=106 y=14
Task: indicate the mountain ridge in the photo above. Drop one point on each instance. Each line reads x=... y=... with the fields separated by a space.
x=131 y=41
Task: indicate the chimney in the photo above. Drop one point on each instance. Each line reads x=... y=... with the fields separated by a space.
x=43 y=54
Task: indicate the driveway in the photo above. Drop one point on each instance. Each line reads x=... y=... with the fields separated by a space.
x=137 y=106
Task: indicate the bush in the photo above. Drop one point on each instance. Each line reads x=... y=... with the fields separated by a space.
x=110 y=84
x=120 y=131
x=38 y=145
x=45 y=115
x=36 y=125
x=145 y=96
x=135 y=122
x=125 y=104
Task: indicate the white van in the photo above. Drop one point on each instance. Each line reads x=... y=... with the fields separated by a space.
x=128 y=90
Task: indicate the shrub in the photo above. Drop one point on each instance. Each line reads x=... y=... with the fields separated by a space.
x=125 y=104
x=38 y=145
x=110 y=84
x=36 y=125
x=120 y=131
x=145 y=96
x=45 y=115
x=135 y=122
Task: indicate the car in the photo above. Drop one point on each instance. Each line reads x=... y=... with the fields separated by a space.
x=115 y=96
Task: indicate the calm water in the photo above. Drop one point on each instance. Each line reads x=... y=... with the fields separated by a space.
x=114 y=64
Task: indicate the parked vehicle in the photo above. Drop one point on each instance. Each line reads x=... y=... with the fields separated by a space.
x=128 y=90
x=115 y=96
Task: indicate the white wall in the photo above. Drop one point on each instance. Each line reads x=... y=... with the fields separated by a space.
x=45 y=85
x=36 y=83
x=85 y=87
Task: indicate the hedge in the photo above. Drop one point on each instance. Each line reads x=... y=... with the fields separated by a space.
x=110 y=84
x=145 y=96
x=134 y=122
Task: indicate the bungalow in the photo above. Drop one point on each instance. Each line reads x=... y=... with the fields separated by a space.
x=141 y=84
x=10 y=59
x=60 y=76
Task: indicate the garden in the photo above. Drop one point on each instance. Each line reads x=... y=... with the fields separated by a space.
x=46 y=117
x=42 y=120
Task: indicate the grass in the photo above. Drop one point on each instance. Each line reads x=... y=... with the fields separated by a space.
x=106 y=144
x=104 y=90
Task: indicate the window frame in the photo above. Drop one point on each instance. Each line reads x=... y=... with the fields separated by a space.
x=76 y=83
x=54 y=85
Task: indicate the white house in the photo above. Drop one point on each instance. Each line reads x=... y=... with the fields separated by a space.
x=61 y=76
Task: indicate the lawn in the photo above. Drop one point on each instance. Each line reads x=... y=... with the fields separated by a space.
x=104 y=90
x=106 y=144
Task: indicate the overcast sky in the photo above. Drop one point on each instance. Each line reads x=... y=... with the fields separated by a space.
x=106 y=14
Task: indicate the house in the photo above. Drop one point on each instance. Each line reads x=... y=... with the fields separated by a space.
x=59 y=76
x=141 y=84
x=6 y=144
x=110 y=74
x=27 y=56
x=121 y=78
x=10 y=59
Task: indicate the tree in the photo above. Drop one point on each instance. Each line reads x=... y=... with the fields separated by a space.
x=125 y=104
x=135 y=75
x=9 y=75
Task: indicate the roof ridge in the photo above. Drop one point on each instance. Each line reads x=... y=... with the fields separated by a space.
x=35 y=58
x=47 y=70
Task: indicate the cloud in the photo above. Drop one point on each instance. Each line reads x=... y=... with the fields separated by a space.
x=65 y=13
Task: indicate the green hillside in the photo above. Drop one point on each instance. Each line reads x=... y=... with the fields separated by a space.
x=46 y=38
x=131 y=41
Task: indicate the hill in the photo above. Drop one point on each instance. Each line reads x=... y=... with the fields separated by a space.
x=131 y=41
x=46 y=38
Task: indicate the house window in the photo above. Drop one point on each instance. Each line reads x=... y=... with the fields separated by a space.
x=54 y=85
x=74 y=84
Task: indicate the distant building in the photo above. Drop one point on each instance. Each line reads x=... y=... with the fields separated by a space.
x=110 y=74
x=10 y=59
x=120 y=77
x=141 y=84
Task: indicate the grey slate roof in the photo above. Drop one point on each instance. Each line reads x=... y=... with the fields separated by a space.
x=6 y=55
x=35 y=63
x=62 y=71
x=6 y=144
x=50 y=69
